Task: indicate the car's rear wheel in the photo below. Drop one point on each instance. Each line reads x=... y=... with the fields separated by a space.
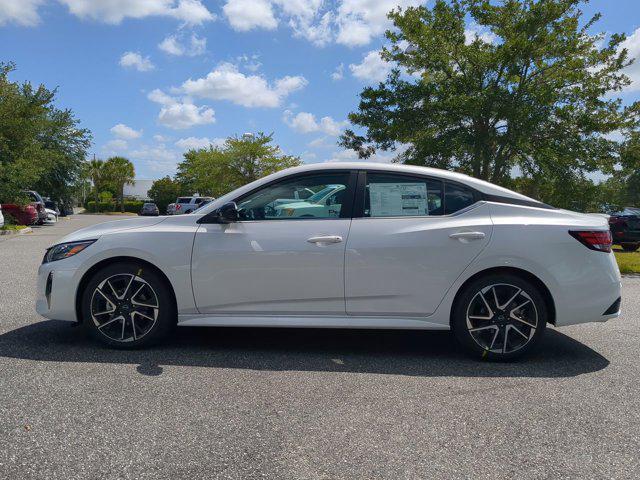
x=127 y=305
x=499 y=317
x=630 y=247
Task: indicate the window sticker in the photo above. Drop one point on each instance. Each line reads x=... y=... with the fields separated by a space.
x=398 y=199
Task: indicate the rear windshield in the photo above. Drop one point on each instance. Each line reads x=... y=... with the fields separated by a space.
x=184 y=200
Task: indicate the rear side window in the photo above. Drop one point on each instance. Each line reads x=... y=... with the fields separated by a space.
x=457 y=197
x=391 y=195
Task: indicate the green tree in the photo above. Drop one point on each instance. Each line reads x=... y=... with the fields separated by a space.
x=165 y=191
x=41 y=146
x=622 y=189
x=534 y=92
x=95 y=173
x=217 y=170
x=119 y=171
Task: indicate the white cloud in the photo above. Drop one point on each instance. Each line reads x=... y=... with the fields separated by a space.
x=305 y=122
x=185 y=115
x=190 y=143
x=360 y=20
x=372 y=68
x=632 y=44
x=135 y=60
x=227 y=83
x=22 y=12
x=477 y=31
x=157 y=158
x=191 y=12
x=173 y=45
x=124 y=132
x=160 y=138
x=180 y=114
x=338 y=73
x=245 y=15
x=319 y=33
x=352 y=156
x=349 y=22
x=117 y=145
x=321 y=142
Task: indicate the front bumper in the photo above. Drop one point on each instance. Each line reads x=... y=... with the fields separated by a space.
x=57 y=300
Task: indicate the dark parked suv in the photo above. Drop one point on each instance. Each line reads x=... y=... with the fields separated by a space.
x=625 y=228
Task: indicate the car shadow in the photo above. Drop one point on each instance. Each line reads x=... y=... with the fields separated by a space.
x=389 y=352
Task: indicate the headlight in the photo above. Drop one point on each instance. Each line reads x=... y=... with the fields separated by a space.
x=65 y=250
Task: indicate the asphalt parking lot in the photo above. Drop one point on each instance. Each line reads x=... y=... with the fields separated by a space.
x=307 y=404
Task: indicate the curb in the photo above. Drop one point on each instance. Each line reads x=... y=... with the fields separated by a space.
x=17 y=232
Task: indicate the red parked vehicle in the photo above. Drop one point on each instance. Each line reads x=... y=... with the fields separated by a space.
x=24 y=215
x=38 y=203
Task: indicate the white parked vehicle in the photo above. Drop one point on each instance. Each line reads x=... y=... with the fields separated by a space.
x=1 y=218
x=321 y=204
x=189 y=204
x=52 y=216
x=409 y=248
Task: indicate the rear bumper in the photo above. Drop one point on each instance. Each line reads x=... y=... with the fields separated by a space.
x=593 y=296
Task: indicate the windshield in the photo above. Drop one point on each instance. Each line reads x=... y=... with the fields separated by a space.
x=184 y=200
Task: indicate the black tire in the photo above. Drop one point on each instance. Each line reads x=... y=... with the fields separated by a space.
x=484 y=338
x=630 y=247
x=144 y=324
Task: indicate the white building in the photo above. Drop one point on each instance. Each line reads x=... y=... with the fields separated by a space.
x=139 y=189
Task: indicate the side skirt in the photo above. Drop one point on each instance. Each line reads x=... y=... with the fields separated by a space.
x=307 y=322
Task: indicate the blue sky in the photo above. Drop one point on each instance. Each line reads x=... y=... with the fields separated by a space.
x=151 y=78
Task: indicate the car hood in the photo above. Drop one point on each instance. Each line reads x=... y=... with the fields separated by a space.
x=96 y=231
x=296 y=204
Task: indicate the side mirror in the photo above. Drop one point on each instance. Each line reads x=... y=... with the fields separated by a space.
x=227 y=213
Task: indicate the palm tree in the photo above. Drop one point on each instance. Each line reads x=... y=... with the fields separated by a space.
x=95 y=172
x=119 y=171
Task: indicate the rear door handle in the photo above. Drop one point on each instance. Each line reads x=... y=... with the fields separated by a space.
x=325 y=239
x=467 y=235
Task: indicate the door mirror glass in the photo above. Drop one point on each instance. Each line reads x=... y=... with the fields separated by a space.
x=227 y=213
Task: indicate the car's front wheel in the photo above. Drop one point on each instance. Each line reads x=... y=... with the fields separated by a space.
x=499 y=317
x=128 y=305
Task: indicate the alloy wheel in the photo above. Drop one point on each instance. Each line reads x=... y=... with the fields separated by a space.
x=124 y=307
x=502 y=318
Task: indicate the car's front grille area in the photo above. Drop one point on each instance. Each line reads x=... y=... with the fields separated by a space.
x=614 y=308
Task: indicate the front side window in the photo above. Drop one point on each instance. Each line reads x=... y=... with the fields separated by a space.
x=302 y=197
x=391 y=195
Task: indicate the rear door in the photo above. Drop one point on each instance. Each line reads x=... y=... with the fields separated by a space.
x=414 y=236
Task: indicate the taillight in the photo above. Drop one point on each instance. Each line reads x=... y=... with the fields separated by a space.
x=178 y=206
x=599 y=240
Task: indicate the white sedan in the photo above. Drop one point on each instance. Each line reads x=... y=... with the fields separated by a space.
x=408 y=248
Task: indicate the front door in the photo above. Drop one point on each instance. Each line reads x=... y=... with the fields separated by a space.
x=284 y=256
x=415 y=236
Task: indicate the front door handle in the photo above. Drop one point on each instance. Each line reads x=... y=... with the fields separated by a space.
x=325 y=239
x=467 y=235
